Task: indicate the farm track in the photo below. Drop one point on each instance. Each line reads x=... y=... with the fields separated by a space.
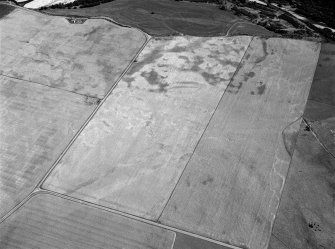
x=235 y=24
x=33 y=82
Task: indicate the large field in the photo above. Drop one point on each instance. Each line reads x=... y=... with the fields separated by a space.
x=85 y=59
x=167 y=17
x=110 y=138
x=232 y=185
x=157 y=114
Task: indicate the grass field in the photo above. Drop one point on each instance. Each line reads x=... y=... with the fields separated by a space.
x=166 y=17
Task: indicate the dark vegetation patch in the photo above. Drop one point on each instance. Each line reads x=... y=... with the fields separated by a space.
x=317 y=10
x=5 y=10
x=274 y=18
x=78 y=4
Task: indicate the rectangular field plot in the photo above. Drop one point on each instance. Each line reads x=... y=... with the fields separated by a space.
x=36 y=124
x=86 y=58
x=132 y=153
x=50 y=222
x=231 y=187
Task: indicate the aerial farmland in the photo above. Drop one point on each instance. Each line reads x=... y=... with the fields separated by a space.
x=163 y=125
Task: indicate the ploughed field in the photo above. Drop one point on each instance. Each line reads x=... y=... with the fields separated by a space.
x=111 y=138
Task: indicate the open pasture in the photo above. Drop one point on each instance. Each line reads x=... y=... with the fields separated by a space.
x=166 y=17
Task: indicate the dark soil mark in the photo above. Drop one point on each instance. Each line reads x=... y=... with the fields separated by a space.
x=211 y=79
x=177 y=49
x=234 y=89
x=209 y=179
x=91 y=101
x=106 y=70
x=82 y=185
x=155 y=79
x=150 y=58
x=188 y=183
x=265 y=53
x=248 y=75
x=95 y=35
x=261 y=88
